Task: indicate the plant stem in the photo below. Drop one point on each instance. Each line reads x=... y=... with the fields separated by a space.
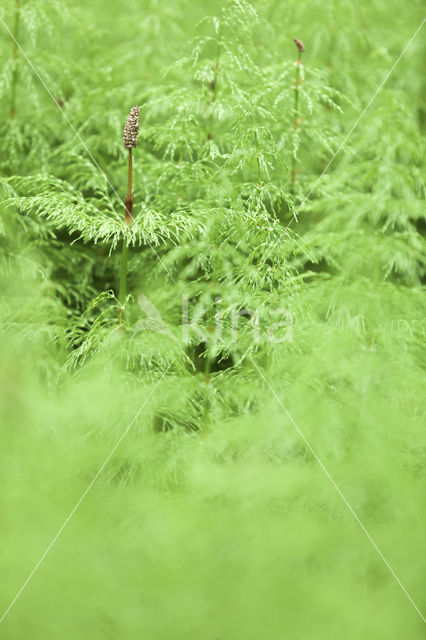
x=298 y=80
x=256 y=142
x=128 y=219
x=15 y=72
x=207 y=368
x=259 y=170
x=123 y=273
x=213 y=85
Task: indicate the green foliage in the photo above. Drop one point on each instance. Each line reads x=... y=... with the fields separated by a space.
x=243 y=258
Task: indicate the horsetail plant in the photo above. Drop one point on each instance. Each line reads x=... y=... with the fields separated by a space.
x=297 y=120
x=130 y=140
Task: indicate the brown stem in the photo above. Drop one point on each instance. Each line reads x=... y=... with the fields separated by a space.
x=128 y=217
x=297 y=119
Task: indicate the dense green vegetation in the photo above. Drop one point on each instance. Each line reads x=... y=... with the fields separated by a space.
x=242 y=434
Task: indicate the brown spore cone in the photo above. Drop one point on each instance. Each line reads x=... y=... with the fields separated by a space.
x=131 y=128
x=299 y=44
